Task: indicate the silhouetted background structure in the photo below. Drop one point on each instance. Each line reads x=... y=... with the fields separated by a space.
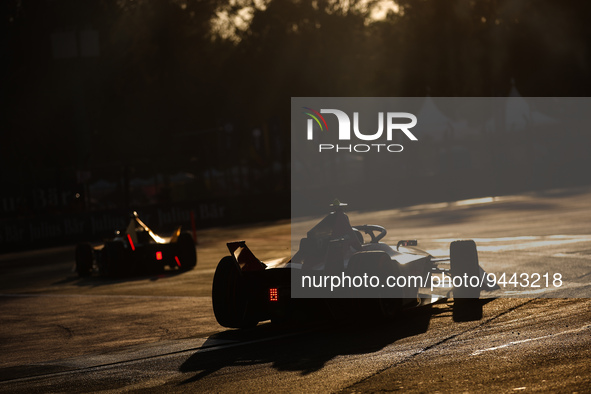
x=173 y=106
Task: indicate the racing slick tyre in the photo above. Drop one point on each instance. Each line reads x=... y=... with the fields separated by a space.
x=229 y=298
x=187 y=254
x=84 y=256
x=376 y=263
x=464 y=263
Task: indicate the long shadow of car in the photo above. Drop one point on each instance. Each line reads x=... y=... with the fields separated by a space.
x=305 y=348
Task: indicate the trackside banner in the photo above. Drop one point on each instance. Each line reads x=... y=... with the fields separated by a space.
x=396 y=198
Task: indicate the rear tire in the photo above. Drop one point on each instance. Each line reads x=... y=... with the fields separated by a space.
x=84 y=257
x=187 y=253
x=229 y=298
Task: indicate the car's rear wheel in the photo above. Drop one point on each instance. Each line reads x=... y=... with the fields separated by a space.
x=187 y=254
x=84 y=257
x=229 y=297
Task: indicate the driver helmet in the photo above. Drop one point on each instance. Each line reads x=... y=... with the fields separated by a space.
x=337 y=203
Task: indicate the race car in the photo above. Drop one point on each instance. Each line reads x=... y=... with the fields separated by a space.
x=137 y=251
x=246 y=291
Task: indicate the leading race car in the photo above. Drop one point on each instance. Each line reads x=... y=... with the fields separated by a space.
x=246 y=291
x=137 y=251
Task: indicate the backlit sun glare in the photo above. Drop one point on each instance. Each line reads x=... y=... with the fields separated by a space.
x=236 y=16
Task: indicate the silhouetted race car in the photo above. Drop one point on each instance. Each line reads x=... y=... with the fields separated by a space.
x=137 y=251
x=246 y=291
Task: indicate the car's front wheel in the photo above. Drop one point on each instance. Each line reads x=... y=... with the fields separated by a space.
x=464 y=264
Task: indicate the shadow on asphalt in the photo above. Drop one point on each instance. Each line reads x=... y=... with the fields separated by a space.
x=467 y=309
x=562 y=192
x=306 y=348
x=312 y=347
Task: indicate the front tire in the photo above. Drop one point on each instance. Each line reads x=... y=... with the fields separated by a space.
x=464 y=263
x=229 y=298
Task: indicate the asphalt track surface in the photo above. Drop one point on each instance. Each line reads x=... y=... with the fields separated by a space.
x=60 y=333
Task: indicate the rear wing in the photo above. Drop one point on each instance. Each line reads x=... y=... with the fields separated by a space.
x=244 y=258
x=131 y=230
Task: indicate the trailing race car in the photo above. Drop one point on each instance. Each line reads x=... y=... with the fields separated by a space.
x=137 y=251
x=246 y=291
